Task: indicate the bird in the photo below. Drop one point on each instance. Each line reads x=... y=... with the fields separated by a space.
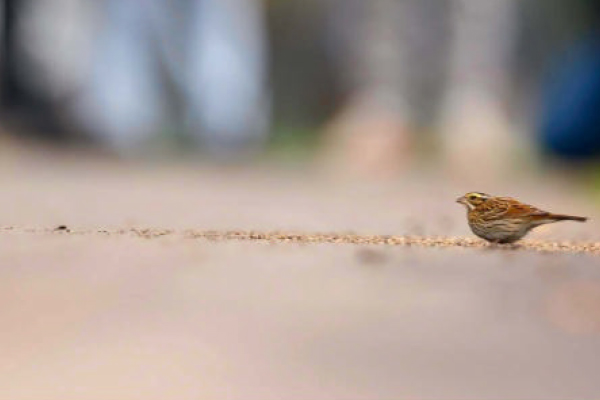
x=504 y=219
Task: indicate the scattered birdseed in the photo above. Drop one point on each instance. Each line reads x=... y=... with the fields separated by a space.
x=331 y=238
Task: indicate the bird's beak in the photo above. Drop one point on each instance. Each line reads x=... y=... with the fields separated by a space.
x=461 y=200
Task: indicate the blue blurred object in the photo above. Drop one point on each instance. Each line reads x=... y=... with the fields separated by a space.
x=570 y=119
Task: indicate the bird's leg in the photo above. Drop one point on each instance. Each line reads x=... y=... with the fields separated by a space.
x=497 y=244
x=493 y=244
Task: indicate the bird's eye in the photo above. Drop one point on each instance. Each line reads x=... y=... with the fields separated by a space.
x=472 y=197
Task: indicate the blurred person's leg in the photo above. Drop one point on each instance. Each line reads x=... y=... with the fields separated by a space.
x=370 y=134
x=225 y=76
x=210 y=53
x=121 y=105
x=478 y=138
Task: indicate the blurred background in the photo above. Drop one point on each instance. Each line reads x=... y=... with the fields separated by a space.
x=373 y=88
x=340 y=116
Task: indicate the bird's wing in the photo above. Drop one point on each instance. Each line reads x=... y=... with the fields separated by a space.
x=516 y=209
x=506 y=207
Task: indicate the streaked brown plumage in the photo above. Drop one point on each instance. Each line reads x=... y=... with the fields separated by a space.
x=504 y=219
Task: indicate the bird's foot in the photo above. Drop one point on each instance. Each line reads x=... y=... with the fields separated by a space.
x=506 y=246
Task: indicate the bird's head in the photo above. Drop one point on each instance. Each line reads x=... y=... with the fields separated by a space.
x=473 y=199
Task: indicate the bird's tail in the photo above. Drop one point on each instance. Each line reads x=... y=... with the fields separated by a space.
x=560 y=217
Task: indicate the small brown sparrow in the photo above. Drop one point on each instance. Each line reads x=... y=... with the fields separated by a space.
x=505 y=220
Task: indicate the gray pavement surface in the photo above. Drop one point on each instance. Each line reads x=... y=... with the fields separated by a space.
x=107 y=315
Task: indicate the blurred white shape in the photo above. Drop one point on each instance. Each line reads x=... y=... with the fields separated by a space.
x=55 y=36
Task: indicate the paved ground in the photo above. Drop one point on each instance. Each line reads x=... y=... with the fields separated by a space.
x=130 y=302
